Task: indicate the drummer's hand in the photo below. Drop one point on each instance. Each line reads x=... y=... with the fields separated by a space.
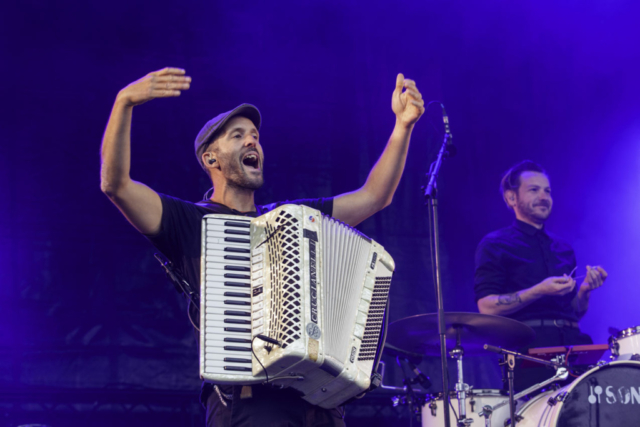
x=557 y=285
x=594 y=279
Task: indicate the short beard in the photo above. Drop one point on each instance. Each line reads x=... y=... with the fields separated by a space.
x=243 y=182
x=531 y=213
x=237 y=177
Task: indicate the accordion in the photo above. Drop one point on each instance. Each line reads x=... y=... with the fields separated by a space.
x=311 y=283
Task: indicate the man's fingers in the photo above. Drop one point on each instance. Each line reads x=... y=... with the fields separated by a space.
x=172 y=86
x=169 y=70
x=171 y=78
x=399 y=82
x=593 y=278
x=602 y=272
x=410 y=84
x=164 y=93
x=414 y=94
x=597 y=279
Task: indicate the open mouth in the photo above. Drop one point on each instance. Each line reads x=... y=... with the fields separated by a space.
x=251 y=160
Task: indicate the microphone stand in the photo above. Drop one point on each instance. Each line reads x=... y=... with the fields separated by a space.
x=446 y=150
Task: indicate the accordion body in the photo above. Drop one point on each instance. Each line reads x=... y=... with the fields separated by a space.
x=314 y=284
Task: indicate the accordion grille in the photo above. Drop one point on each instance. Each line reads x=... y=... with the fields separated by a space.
x=283 y=247
x=371 y=336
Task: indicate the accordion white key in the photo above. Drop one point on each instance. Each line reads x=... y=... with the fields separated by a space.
x=317 y=286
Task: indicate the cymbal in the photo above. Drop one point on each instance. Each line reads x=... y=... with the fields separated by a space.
x=419 y=334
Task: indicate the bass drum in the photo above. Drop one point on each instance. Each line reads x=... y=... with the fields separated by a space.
x=433 y=414
x=607 y=395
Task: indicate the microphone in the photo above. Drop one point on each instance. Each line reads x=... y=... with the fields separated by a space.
x=451 y=149
x=493 y=348
x=420 y=377
x=181 y=285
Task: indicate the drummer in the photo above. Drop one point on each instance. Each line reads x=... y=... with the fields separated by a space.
x=526 y=273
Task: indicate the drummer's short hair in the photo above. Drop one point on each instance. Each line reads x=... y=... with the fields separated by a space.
x=511 y=178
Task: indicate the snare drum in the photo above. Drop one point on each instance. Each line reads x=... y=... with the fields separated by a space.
x=626 y=345
x=433 y=414
x=607 y=395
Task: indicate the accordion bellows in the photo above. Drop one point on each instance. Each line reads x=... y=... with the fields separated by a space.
x=314 y=284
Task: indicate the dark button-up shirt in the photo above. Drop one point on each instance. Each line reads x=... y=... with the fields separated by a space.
x=519 y=257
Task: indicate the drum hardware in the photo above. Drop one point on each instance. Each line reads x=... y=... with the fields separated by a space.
x=433 y=407
x=614 y=347
x=433 y=415
x=466 y=333
x=461 y=388
x=606 y=395
x=560 y=359
x=408 y=382
x=558 y=398
x=561 y=375
x=510 y=361
x=414 y=398
x=411 y=359
x=625 y=344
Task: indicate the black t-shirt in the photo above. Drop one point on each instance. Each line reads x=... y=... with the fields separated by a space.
x=179 y=238
x=518 y=257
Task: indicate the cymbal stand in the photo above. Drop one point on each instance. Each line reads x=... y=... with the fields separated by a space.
x=510 y=360
x=447 y=149
x=461 y=387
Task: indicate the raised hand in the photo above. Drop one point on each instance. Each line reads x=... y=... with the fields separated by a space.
x=594 y=279
x=165 y=83
x=558 y=285
x=408 y=105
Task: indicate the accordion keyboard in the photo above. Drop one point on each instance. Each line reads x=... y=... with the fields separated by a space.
x=227 y=273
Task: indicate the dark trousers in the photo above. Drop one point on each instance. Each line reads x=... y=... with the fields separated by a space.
x=269 y=407
x=546 y=336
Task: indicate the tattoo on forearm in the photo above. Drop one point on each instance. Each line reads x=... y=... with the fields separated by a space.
x=509 y=299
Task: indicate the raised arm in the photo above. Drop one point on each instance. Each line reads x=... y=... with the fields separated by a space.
x=378 y=190
x=139 y=204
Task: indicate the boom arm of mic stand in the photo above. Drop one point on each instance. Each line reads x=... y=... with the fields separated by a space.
x=501 y=350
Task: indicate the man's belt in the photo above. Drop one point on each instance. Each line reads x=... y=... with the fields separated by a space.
x=559 y=323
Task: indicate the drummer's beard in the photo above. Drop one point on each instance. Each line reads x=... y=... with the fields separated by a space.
x=537 y=211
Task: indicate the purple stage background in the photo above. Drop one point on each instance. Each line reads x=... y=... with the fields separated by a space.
x=89 y=324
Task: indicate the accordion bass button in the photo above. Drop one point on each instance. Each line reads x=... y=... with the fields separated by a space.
x=367 y=294
x=369 y=282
